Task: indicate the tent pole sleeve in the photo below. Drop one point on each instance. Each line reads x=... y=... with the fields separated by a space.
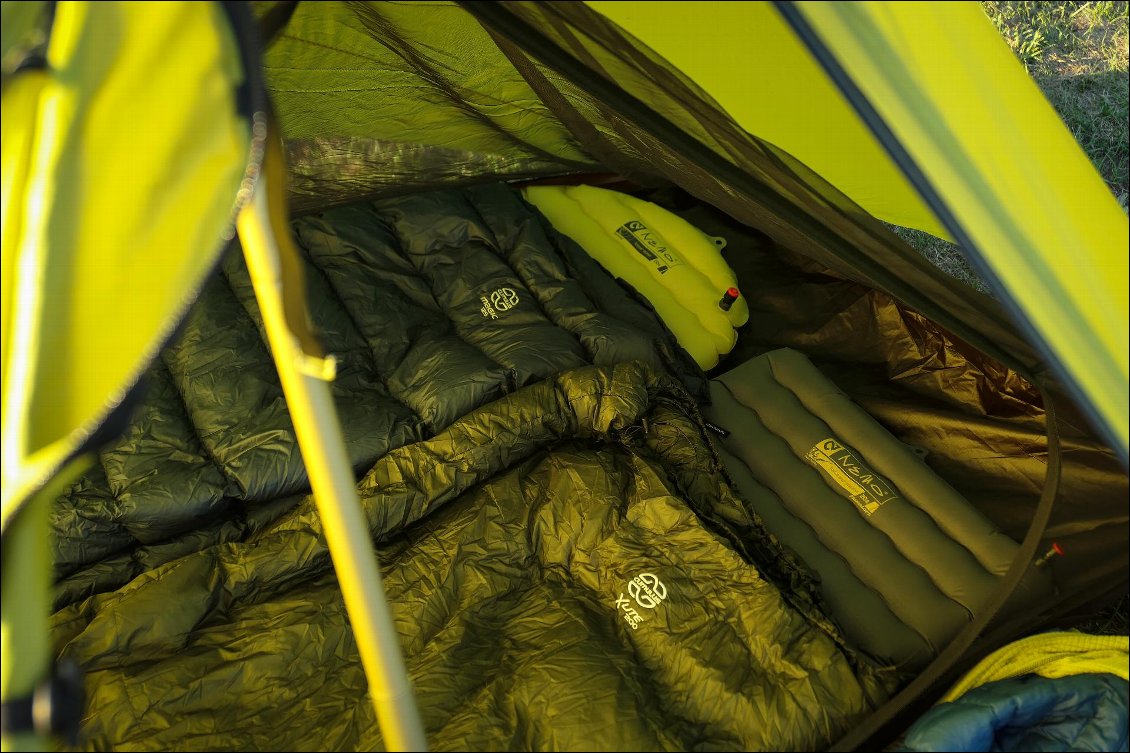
x=275 y=268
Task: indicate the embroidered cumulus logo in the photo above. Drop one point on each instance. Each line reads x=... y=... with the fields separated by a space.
x=498 y=302
x=647 y=590
x=504 y=299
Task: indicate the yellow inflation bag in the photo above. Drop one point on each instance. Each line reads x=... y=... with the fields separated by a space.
x=677 y=267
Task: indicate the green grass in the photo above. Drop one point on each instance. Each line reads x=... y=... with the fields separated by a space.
x=1077 y=54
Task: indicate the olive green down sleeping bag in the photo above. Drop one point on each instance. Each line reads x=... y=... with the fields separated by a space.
x=568 y=570
x=433 y=304
x=567 y=565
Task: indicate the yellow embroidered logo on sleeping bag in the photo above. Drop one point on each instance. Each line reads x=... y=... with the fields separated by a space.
x=631 y=616
x=647 y=591
x=867 y=489
x=500 y=301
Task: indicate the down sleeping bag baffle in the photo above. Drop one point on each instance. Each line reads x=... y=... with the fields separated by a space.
x=434 y=304
x=568 y=570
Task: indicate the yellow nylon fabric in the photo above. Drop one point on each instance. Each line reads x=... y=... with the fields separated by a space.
x=134 y=152
x=20 y=102
x=1049 y=655
x=1010 y=171
x=672 y=264
x=747 y=58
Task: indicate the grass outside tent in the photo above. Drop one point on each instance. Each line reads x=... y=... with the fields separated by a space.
x=1077 y=54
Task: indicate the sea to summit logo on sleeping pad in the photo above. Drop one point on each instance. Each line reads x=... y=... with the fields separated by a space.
x=647 y=590
x=499 y=302
x=868 y=490
x=649 y=245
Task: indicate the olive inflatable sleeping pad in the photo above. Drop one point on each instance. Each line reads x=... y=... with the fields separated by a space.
x=904 y=561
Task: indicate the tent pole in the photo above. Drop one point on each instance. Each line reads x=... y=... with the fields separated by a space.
x=275 y=268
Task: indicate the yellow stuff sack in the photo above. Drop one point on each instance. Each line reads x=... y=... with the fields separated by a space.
x=677 y=267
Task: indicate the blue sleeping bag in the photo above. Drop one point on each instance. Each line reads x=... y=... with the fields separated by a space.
x=1086 y=712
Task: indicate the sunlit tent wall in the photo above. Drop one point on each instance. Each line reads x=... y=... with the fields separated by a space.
x=376 y=100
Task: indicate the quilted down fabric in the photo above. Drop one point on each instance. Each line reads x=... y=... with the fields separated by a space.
x=568 y=570
x=434 y=304
x=1087 y=712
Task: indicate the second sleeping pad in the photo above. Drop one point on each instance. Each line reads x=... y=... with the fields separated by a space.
x=677 y=267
